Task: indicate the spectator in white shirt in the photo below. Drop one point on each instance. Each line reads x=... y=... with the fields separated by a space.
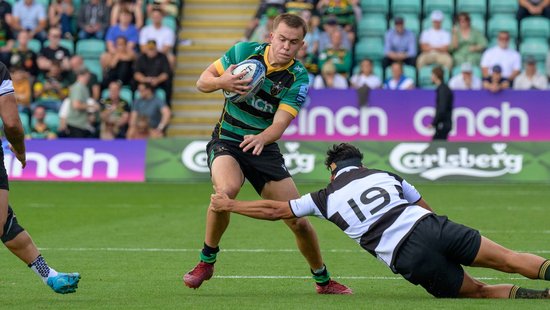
x=398 y=80
x=329 y=78
x=434 y=44
x=465 y=80
x=365 y=77
x=508 y=59
x=530 y=78
x=162 y=35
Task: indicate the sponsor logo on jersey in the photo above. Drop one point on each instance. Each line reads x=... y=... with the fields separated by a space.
x=436 y=162
x=302 y=93
x=276 y=89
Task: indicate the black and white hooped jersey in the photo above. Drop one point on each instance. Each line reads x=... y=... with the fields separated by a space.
x=374 y=207
x=6 y=87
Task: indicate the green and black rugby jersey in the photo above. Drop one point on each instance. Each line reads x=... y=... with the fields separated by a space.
x=284 y=88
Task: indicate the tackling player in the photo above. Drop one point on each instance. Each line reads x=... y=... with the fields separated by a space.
x=390 y=220
x=243 y=142
x=14 y=237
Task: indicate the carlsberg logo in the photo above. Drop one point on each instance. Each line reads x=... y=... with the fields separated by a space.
x=410 y=158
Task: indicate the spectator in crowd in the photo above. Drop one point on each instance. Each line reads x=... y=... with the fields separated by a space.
x=54 y=52
x=330 y=27
x=31 y=16
x=22 y=87
x=52 y=89
x=443 y=120
x=153 y=68
x=39 y=128
x=365 y=77
x=530 y=78
x=310 y=62
x=399 y=44
x=78 y=120
x=343 y=11
x=509 y=60
x=465 y=80
x=434 y=44
x=533 y=8
x=167 y=7
x=313 y=33
x=6 y=42
x=467 y=43
x=118 y=65
x=60 y=14
x=299 y=6
x=260 y=13
x=153 y=108
x=340 y=56
x=398 y=81
x=496 y=82
x=165 y=37
x=261 y=33
x=115 y=114
x=24 y=58
x=93 y=19
x=5 y=12
x=125 y=29
x=94 y=87
x=134 y=8
x=330 y=78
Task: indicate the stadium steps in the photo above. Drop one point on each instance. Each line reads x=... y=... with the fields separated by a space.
x=208 y=29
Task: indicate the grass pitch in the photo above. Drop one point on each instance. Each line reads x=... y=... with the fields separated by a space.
x=133 y=242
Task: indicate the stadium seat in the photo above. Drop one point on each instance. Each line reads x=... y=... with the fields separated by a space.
x=126 y=94
x=476 y=70
x=34 y=45
x=534 y=47
x=471 y=6
x=445 y=6
x=68 y=44
x=406 y=6
x=372 y=25
x=502 y=22
x=375 y=6
x=52 y=120
x=25 y=121
x=503 y=6
x=90 y=48
x=372 y=48
x=534 y=26
x=425 y=76
x=446 y=25
x=408 y=71
x=478 y=22
x=512 y=44
x=412 y=23
x=95 y=67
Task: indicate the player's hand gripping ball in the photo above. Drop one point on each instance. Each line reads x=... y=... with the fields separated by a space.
x=256 y=71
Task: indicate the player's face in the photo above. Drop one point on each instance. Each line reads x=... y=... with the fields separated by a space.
x=285 y=44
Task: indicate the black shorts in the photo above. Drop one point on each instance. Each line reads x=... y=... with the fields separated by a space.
x=433 y=253
x=3 y=175
x=268 y=166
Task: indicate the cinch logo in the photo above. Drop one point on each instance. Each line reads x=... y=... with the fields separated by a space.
x=411 y=158
x=260 y=104
x=194 y=158
x=65 y=165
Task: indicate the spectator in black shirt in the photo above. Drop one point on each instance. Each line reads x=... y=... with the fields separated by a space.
x=23 y=57
x=54 y=52
x=5 y=12
x=153 y=67
x=496 y=82
x=443 y=121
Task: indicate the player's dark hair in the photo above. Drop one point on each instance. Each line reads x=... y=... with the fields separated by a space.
x=339 y=153
x=292 y=21
x=438 y=72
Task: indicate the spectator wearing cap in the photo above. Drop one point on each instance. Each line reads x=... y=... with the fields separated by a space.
x=530 y=78
x=399 y=44
x=31 y=16
x=533 y=8
x=465 y=80
x=341 y=57
x=329 y=27
x=93 y=19
x=398 y=81
x=434 y=44
x=509 y=60
x=164 y=37
x=365 y=76
x=496 y=82
x=153 y=68
x=467 y=43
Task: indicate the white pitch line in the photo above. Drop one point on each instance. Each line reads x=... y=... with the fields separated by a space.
x=352 y=277
x=223 y=250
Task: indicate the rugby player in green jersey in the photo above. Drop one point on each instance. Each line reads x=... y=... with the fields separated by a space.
x=243 y=142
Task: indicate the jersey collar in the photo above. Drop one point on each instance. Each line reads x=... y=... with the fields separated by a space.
x=270 y=68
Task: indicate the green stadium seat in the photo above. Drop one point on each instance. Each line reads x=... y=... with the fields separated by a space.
x=478 y=22
x=25 y=121
x=126 y=94
x=372 y=48
x=372 y=25
x=68 y=44
x=534 y=47
x=52 y=120
x=375 y=6
x=34 y=45
x=45 y=3
x=471 y=6
x=445 y=6
x=534 y=26
x=408 y=71
x=503 y=6
x=541 y=67
x=447 y=23
x=502 y=22
x=90 y=48
x=412 y=23
x=406 y=6
x=95 y=67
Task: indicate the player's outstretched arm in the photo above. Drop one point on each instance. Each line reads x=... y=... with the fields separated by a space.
x=258 y=209
x=210 y=81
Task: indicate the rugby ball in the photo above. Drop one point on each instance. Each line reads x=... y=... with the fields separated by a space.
x=256 y=71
